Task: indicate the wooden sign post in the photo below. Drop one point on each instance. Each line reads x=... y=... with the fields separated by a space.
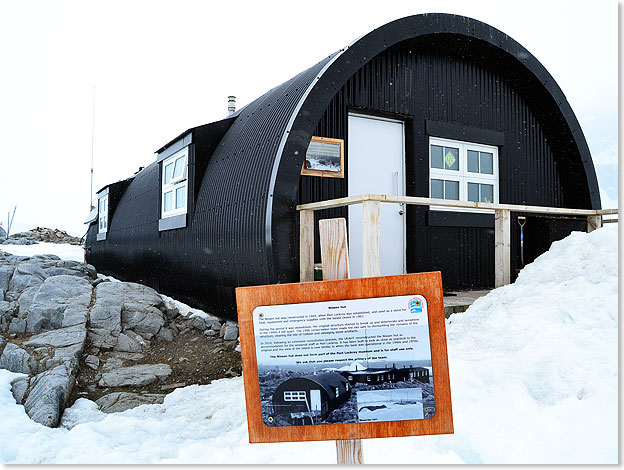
x=345 y=359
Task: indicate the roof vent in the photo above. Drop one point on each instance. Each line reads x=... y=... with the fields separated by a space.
x=231 y=105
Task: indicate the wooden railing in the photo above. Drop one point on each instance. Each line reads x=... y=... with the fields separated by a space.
x=371 y=228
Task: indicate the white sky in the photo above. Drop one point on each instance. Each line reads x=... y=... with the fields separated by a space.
x=160 y=67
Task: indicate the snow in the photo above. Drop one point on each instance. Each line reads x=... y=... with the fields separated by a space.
x=62 y=250
x=534 y=379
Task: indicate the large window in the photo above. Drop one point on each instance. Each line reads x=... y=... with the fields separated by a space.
x=462 y=171
x=175 y=184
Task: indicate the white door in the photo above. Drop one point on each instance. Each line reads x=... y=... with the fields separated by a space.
x=315 y=400
x=376 y=160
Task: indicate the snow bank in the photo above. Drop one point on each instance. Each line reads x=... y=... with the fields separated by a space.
x=534 y=372
x=62 y=250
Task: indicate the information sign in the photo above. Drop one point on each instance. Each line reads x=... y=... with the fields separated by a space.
x=345 y=359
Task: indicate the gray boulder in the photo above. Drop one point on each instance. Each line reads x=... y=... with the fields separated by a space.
x=122 y=401
x=60 y=338
x=48 y=395
x=127 y=344
x=17 y=325
x=61 y=301
x=144 y=319
x=19 y=388
x=17 y=359
x=135 y=375
x=6 y=272
x=26 y=274
x=231 y=331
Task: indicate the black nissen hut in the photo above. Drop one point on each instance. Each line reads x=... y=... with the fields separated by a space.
x=432 y=105
x=311 y=396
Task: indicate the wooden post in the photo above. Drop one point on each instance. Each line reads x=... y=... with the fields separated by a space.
x=594 y=222
x=371 y=259
x=335 y=262
x=502 y=244
x=306 y=245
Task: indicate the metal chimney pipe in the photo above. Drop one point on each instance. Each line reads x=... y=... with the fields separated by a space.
x=231 y=105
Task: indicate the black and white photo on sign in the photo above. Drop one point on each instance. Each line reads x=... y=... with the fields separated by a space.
x=324 y=157
x=346 y=361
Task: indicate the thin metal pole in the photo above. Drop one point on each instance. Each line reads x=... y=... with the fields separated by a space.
x=92 y=138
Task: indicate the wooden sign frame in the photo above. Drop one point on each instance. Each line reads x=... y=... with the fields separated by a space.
x=326 y=173
x=428 y=285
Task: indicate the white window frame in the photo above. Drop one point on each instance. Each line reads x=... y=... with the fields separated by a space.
x=174 y=184
x=103 y=213
x=463 y=176
x=294 y=395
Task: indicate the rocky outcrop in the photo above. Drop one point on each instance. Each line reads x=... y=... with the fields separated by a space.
x=76 y=335
x=40 y=234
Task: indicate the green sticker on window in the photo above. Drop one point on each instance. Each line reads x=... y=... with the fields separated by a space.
x=450 y=159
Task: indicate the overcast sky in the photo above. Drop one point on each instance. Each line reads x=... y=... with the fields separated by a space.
x=160 y=67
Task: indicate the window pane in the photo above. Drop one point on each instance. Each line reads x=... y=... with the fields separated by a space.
x=168 y=201
x=487 y=165
x=487 y=193
x=473 y=161
x=180 y=197
x=168 y=170
x=473 y=192
x=436 y=157
x=451 y=190
x=451 y=158
x=437 y=189
x=178 y=170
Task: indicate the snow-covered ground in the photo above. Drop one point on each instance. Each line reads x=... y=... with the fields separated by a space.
x=62 y=250
x=534 y=379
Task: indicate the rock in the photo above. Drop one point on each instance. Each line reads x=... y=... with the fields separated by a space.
x=16 y=359
x=199 y=323
x=6 y=272
x=237 y=348
x=92 y=361
x=210 y=333
x=166 y=334
x=2 y=342
x=17 y=325
x=70 y=354
x=48 y=395
x=222 y=331
x=61 y=301
x=19 y=388
x=172 y=386
x=231 y=331
x=231 y=373
x=170 y=313
x=26 y=274
x=145 y=320
x=60 y=338
x=135 y=375
x=126 y=344
x=25 y=300
x=121 y=401
x=112 y=363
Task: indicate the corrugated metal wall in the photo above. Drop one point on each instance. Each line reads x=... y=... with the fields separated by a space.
x=455 y=82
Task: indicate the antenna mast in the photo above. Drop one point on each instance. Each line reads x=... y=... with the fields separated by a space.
x=92 y=134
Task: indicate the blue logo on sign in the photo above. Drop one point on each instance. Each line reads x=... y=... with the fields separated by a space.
x=415 y=305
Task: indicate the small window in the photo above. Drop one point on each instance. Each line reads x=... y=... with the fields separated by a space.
x=462 y=171
x=175 y=184
x=295 y=396
x=103 y=214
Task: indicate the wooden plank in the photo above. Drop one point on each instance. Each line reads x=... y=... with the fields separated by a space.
x=502 y=248
x=594 y=222
x=425 y=201
x=306 y=246
x=334 y=249
x=371 y=262
x=427 y=284
x=349 y=452
x=335 y=262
